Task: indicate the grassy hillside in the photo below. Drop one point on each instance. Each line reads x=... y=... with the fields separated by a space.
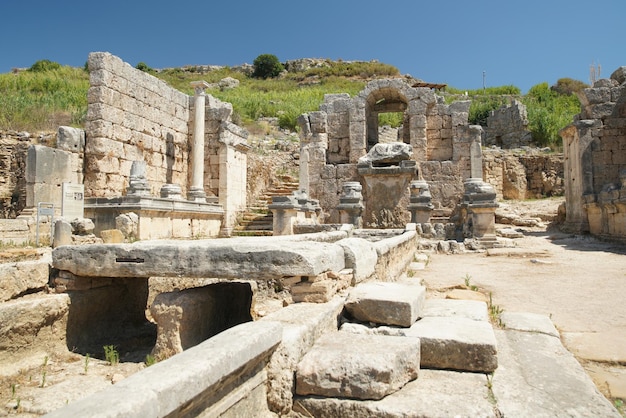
x=48 y=95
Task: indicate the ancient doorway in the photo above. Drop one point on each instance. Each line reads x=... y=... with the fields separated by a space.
x=386 y=107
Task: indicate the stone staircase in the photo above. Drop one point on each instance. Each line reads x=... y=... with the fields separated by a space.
x=258 y=220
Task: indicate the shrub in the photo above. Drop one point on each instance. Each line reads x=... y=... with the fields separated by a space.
x=548 y=113
x=44 y=65
x=144 y=67
x=567 y=86
x=267 y=66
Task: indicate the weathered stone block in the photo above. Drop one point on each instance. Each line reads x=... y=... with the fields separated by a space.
x=348 y=365
x=470 y=309
x=456 y=343
x=23 y=276
x=386 y=303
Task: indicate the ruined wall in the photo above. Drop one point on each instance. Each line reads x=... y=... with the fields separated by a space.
x=595 y=160
x=517 y=175
x=445 y=148
x=13 y=152
x=133 y=116
x=507 y=127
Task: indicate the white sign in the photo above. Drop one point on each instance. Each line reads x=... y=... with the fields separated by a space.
x=73 y=204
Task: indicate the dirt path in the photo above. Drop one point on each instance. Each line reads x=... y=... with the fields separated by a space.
x=579 y=282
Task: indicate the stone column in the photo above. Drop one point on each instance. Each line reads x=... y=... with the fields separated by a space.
x=196 y=191
x=351 y=204
x=420 y=204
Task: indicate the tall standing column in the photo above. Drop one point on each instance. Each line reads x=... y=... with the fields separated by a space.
x=196 y=191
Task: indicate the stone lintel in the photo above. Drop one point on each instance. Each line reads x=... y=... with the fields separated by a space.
x=147 y=203
x=259 y=258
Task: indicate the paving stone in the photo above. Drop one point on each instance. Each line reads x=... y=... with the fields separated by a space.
x=437 y=393
x=607 y=346
x=538 y=377
x=471 y=309
x=466 y=294
x=347 y=365
x=525 y=321
x=456 y=343
x=386 y=303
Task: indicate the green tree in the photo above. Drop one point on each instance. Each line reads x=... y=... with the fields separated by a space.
x=548 y=113
x=267 y=66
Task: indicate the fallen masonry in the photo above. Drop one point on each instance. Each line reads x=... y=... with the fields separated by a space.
x=446 y=360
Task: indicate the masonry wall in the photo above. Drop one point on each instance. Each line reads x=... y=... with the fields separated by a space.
x=507 y=127
x=333 y=139
x=133 y=116
x=595 y=160
x=12 y=174
x=524 y=175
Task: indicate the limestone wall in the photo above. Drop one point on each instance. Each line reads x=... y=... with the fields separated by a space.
x=12 y=174
x=524 y=175
x=595 y=160
x=445 y=148
x=507 y=127
x=133 y=116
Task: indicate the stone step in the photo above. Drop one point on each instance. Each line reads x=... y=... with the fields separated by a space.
x=436 y=393
x=386 y=303
x=346 y=365
x=246 y=233
x=456 y=343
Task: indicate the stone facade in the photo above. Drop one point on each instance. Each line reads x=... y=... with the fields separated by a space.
x=445 y=149
x=507 y=127
x=133 y=116
x=595 y=160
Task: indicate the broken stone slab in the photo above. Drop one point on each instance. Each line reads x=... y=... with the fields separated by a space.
x=303 y=324
x=529 y=322
x=386 y=303
x=470 y=309
x=259 y=257
x=456 y=343
x=509 y=233
x=24 y=276
x=347 y=365
x=436 y=393
x=538 y=377
x=25 y=320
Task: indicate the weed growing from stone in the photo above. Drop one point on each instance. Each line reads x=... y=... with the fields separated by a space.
x=111 y=355
x=86 y=363
x=44 y=371
x=495 y=313
x=150 y=360
x=467 y=279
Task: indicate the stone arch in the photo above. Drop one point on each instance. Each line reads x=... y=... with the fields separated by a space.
x=396 y=95
x=384 y=100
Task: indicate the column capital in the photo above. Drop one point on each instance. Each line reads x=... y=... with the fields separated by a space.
x=199 y=86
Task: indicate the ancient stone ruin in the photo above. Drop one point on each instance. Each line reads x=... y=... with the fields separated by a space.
x=507 y=127
x=595 y=160
x=340 y=144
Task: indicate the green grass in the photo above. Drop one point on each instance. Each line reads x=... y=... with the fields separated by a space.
x=56 y=95
x=43 y=100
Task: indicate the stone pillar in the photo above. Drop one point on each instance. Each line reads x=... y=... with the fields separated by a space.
x=351 y=204
x=196 y=191
x=285 y=211
x=478 y=211
x=420 y=204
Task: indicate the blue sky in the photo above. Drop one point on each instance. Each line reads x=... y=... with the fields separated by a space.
x=522 y=42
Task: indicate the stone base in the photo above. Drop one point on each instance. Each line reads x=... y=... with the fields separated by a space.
x=158 y=218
